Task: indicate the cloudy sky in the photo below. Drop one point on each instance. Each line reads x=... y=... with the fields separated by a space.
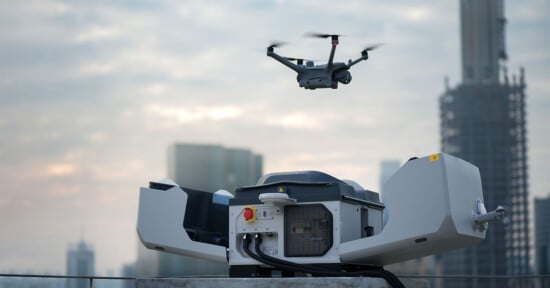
x=93 y=92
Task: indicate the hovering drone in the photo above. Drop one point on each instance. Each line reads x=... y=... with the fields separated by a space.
x=311 y=76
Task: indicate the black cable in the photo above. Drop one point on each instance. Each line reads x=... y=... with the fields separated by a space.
x=246 y=244
x=287 y=266
x=386 y=275
x=297 y=266
x=318 y=271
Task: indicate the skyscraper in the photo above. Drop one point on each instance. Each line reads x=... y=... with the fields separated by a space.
x=483 y=122
x=387 y=169
x=213 y=167
x=80 y=262
x=128 y=270
x=208 y=168
x=542 y=238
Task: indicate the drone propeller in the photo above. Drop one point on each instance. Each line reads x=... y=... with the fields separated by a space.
x=275 y=45
x=321 y=35
x=372 y=47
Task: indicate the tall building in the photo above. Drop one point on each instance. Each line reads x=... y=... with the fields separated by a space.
x=542 y=239
x=128 y=270
x=213 y=167
x=208 y=168
x=80 y=262
x=387 y=169
x=483 y=122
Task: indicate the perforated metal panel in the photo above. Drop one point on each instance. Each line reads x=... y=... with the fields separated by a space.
x=308 y=230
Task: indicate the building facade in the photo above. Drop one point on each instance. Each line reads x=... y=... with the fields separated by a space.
x=213 y=167
x=80 y=262
x=483 y=122
x=387 y=169
x=207 y=168
x=542 y=239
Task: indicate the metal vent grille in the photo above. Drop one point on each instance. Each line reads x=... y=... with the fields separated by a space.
x=308 y=230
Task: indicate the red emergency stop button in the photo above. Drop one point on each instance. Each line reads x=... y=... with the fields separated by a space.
x=249 y=214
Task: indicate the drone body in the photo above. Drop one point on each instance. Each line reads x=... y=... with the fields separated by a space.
x=328 y=75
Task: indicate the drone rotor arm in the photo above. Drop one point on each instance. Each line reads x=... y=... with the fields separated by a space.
x=285 y=61
x=364 y=57
x=332 y=51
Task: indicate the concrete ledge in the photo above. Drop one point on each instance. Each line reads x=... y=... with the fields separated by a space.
x=309 y=282
x=305 y=282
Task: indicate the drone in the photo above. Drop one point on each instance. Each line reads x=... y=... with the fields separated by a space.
x=311 y=76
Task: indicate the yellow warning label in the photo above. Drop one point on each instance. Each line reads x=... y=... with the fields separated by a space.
x=281 y=189
x=433 y=157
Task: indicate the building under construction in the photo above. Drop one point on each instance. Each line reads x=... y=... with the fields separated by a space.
x=483 y=122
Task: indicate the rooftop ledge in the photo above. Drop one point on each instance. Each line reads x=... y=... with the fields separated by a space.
x=304 y=282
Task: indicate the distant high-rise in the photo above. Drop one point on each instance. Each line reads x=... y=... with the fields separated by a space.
x=213 y=167
x=80 y=262
x=207 y=168
x=483 y=122
x=542 y=238
x=483 y=45
x=387 y=169
x=128 y=270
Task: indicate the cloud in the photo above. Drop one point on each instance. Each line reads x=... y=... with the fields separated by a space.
x=95 y=68
x=529 y=11
x=63 y=190
x=295 y=121
x=97 y=137
x=51 y=7
x=157 y=89
x=98 y=33
x=60 y=169
x=418 y=14
x=182 y=115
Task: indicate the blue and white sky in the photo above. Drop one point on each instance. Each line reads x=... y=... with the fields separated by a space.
x=93 y=92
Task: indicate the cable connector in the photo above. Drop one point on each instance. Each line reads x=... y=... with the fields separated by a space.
x=258 y=237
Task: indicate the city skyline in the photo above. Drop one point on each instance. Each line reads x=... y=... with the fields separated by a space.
x=91 y=95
